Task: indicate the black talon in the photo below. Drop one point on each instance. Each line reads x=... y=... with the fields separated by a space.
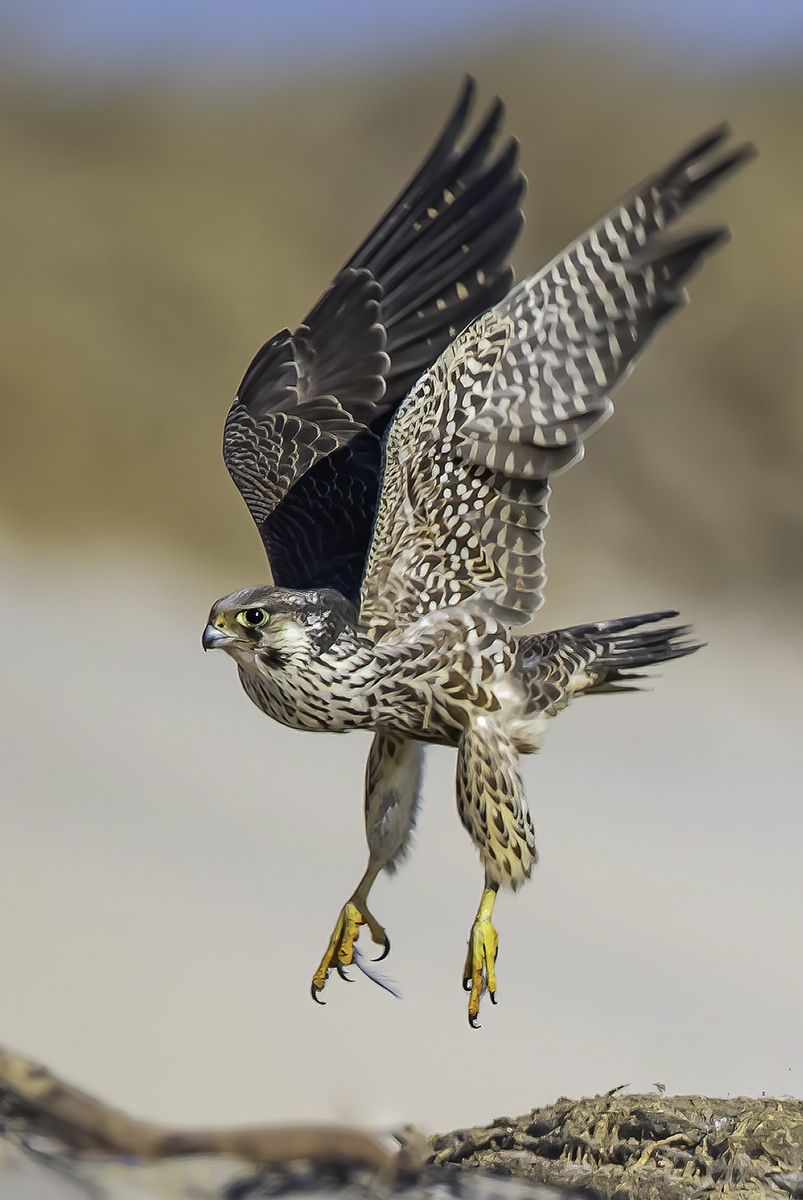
x=385 y=952
x=467 y=984
x=493 y=997
x=474 y=1022
x=341 y=970
x=314 y=992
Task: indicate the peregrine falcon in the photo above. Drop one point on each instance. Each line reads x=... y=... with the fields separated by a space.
x=395 y=451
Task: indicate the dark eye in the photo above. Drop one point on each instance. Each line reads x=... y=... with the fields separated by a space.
x=252 y=617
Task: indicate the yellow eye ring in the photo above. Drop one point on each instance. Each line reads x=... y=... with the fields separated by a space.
x=253 y=618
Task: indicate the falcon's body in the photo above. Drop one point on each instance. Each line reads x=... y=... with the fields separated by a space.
x=401 y=569
x=428 y=682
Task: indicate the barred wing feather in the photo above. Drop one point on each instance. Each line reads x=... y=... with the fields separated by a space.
x=302 y=440
x=510 y=402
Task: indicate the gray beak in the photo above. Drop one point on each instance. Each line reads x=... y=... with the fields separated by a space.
x=214 y=639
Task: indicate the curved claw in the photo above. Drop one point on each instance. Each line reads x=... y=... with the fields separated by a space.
x=315 y=992
x=386 y=950
x=479 y=973
x=340 y=953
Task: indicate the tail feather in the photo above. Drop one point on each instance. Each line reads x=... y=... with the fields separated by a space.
x=622 y=646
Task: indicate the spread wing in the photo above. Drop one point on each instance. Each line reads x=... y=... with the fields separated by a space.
x=470 y=453
x=302 y=440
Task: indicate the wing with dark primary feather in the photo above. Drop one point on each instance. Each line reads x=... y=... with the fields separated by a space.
x=303 y=438
x=464 y=496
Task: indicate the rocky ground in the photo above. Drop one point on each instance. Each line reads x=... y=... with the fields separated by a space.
x=58 y=1143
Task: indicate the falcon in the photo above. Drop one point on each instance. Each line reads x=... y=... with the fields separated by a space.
x=395 y=451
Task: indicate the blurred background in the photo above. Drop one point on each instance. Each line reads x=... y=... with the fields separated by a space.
x=182 y=179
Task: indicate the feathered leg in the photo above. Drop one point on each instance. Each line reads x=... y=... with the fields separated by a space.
x=392 y=794
x=493 y=808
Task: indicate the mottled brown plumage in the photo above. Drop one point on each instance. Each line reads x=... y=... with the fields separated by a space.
x=425 y=651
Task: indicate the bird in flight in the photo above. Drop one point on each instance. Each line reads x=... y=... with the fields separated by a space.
x=395 y=451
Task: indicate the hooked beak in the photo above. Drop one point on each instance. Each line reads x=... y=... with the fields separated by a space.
x=215 y=639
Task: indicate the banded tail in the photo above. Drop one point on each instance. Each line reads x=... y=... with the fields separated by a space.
x=622 y=646
x=607 y=656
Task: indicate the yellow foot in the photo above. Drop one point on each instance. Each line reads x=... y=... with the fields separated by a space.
x=483 y=947
x=340 y=951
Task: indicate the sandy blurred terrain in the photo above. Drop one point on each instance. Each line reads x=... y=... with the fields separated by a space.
x=156 y=236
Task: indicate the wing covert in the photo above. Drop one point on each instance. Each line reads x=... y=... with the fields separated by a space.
x=307 y=393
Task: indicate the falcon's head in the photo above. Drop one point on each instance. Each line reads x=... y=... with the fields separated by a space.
x=268 y=628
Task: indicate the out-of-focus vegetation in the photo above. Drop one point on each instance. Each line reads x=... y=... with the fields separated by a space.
x=155 y=236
